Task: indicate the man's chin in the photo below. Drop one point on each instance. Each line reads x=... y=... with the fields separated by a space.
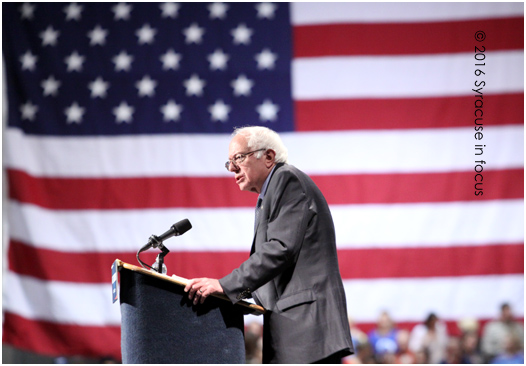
x=247 y=188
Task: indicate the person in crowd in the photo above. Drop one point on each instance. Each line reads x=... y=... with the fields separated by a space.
x=422 y=356
x=470 y=348
x=254 y=342
x=293 y=268
x=431 y=338
x=513 y=351
x=494 y=334
x=362 y=348
x=358 y=337
x=363 y=354
x=383 y=337
x=454 y=354
x=404 y=355
x=470 y=340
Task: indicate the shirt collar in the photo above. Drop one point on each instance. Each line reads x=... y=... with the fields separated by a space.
x=265 y=184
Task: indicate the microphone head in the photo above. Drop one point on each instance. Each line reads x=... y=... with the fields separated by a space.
x=182 y=227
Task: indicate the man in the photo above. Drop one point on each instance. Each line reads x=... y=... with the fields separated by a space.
x=495 y=333
x=293 y=267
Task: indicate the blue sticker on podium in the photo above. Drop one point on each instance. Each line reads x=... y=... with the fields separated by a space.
x=114 y=277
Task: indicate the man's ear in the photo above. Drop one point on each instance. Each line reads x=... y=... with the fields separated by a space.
x=270 y=158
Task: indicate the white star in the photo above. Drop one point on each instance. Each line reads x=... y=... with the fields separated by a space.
x=98 y=88
x=266 y=59
x=218 y=60
x=74 y=113
x=97 y=36
x=266 y=10
x=122 y=11
x=194 y=85
x=49 y=36
x=50 y=86
x=28 y=110
x=123 y=61
x=74 y=62
x=146 y=86
x=169 y=10
x=218 y=10
x=171 y=111
x=170 y=60
x=27 y=11
x=194 y=33
x=73 y=11
x=268 y=111
x=219 y=111
x=146 y=34
x=28 y=61
x=242 y=85
x=123 y=113
x=242 y=34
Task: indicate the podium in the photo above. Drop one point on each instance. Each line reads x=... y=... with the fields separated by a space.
x=161 y=325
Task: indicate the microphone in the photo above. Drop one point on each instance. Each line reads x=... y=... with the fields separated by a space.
x=179 y=228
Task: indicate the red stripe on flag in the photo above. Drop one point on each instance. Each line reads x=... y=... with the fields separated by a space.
x=53 y=339
x=163 y=192
x=432 y=262
x=95 y=267
x=123 y=193
x=421 y=187
x=354 y=263
x=405 y=113
x=406 y=38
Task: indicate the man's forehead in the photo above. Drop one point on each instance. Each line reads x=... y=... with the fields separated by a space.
x=237 y=145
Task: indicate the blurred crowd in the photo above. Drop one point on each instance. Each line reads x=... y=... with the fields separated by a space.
x=498 y=341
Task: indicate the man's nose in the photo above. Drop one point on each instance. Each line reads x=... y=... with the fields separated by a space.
x=232 y=167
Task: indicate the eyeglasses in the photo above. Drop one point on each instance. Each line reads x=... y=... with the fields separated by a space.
x=239 y=158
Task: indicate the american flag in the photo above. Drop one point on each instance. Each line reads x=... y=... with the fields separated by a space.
x=118 y=122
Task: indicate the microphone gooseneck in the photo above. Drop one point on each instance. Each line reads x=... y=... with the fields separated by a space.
x=177 y=229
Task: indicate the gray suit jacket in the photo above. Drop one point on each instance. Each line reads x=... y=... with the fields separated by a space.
x=293 y=272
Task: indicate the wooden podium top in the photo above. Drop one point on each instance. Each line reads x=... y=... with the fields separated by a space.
x=255 y=309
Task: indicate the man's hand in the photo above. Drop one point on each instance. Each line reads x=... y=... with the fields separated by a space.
x=201 y=288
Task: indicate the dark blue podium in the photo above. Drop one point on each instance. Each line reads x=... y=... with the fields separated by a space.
x=161 y=325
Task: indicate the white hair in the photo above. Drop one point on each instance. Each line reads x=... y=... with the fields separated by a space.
x=259 y=137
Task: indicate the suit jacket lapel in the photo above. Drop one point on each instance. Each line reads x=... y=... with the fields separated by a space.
x=263 y=205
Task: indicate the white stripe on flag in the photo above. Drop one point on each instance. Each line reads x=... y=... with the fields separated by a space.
x=407 y=151
x=450 y=298
x=408 y=299
x=345 y=77
x=357 y=226
x=429 y=224
x=342 y=152
x=343 y=12
x=61 y=302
